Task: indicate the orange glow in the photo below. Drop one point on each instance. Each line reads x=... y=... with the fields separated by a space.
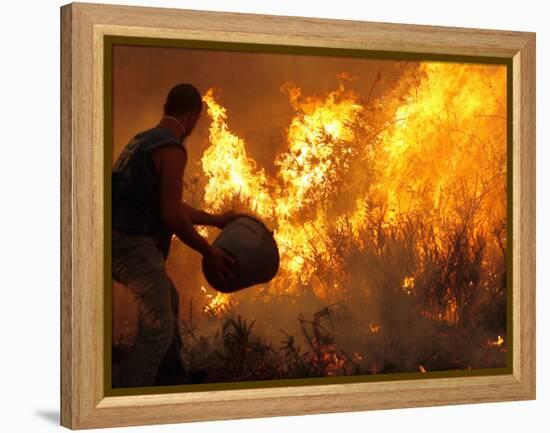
x=436 y=151
x=497 y=343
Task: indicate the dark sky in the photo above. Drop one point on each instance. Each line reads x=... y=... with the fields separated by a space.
x=250 y=86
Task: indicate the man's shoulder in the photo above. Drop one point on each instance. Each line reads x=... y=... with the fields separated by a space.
x=156 y=137
x=175 y=150
x=172 y=155
x=153 y=134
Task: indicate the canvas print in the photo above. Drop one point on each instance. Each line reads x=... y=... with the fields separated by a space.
x=296 y=216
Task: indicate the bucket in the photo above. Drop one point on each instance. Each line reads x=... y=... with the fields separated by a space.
x=252 y=245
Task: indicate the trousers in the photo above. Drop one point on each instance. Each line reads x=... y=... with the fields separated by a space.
x=139 y=265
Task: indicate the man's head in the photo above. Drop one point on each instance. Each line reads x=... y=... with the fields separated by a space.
x=184 y=102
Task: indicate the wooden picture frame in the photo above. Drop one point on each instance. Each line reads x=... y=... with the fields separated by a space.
x=84 y=403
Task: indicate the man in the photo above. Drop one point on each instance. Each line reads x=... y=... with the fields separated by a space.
x=147 y=209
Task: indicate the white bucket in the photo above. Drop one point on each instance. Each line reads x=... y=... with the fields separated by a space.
x=250 y=242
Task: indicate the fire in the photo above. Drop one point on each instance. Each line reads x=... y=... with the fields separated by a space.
x=230 y=170
x=320 y=145
x=408 y=284
x=433 y=145
x=497 y=343
x=202 y=230
x=215 y=305
x=447 y=139
x=374 y=328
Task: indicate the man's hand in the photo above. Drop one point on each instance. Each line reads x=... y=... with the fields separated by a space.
x=221 y=220
x=221 y=263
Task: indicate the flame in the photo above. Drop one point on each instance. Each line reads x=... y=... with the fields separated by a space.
x=432 y=145
x=374 y=328
x=320 y=145
x=215 y=305
x=218 y=304
x=203 y=231
x=408 y=284
x=446 y=140
x=497 y=343
x=230 y=170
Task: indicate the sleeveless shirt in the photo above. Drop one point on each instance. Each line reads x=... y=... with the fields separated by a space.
x=136 y=187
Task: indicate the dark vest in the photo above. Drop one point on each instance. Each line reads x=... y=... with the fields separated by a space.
x=136 y=187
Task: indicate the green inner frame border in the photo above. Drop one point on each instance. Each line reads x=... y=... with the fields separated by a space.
x=111 y=40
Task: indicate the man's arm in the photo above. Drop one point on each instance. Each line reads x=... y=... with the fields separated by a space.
x=201 y=217
x=208 y=219
x=171 y=164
